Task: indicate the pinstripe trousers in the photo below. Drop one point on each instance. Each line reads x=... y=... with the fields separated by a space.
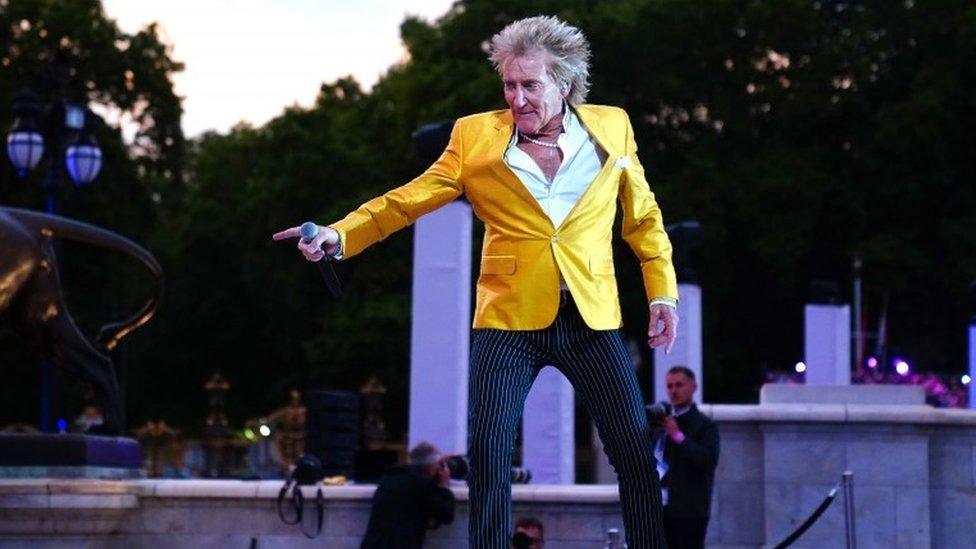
x=503 y=366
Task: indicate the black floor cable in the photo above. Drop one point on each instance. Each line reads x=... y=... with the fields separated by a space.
x=810 y=520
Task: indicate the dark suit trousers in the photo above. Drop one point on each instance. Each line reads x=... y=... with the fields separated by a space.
x=685 y=533
x=504 y=364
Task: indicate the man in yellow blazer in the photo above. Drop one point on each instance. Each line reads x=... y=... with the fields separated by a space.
x=545 y=177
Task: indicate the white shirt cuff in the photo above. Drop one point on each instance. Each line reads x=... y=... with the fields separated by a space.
x=337 y=256
x=669 y=301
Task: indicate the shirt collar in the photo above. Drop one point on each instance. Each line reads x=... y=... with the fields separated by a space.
x=571 y=124
x=568 y=117
x=683 y=410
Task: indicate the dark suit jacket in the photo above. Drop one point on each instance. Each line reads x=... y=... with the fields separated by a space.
x=691 y=466
x=407 y=502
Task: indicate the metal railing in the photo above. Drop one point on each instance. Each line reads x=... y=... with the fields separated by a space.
x=847 y=483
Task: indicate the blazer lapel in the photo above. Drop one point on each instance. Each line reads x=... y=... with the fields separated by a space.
x=504 y=127
x=502 y=135
x=595 y=126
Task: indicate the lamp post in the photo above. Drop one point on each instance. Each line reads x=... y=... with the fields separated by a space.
x=60 y=129
x=56 y=136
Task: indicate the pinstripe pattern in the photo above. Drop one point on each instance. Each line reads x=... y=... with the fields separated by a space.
x=503 y=366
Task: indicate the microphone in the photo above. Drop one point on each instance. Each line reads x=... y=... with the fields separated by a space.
x=308 y=232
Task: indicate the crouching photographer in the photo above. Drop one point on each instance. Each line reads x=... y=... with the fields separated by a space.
x=409 y=500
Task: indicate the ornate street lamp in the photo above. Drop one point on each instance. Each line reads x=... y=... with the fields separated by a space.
x=65 y=128
x=25 y=145
x=60 y=133
x=83 y=160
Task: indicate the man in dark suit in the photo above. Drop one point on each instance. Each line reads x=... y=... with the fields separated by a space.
x=686 y=446
x=409 y=500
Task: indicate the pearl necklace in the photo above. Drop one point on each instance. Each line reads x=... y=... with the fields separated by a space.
x=540 y=143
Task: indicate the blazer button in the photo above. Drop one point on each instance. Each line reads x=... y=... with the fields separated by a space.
x=555 y=239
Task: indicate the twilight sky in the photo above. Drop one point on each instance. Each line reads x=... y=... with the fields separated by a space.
x=249 y=59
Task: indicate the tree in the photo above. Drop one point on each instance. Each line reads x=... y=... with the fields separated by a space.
x=803 y=135
x=784 y=128
x=121 y=75
x=800 y=134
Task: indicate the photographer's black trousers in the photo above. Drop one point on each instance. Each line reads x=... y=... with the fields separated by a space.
x=503 y=366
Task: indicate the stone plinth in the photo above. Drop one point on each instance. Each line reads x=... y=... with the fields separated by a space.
x=885 y=395
x=827 y=344
x=226 y=513
x=687 y=348
x=548 y=448
x=441 y=328
x=914 y=484
x=914 y=474
x=972 y=364
x=45 y=455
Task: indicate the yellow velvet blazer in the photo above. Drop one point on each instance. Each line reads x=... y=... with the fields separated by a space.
x=523 y=253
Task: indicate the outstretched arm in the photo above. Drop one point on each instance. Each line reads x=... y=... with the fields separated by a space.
x=384 y=215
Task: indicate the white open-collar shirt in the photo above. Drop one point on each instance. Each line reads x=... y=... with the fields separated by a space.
x=580 y=166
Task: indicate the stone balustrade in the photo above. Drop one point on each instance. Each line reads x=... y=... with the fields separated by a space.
x=914 y=482
x=230 y=513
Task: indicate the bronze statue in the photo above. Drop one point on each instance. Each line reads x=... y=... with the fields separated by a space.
x=223 y=447
x=161 y=446
x=30 y=290
x=288 y=423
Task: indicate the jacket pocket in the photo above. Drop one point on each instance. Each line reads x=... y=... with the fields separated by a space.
x=498 y=264
x=601 y=265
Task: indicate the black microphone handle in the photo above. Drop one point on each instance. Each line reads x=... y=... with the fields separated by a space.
x=329 y=276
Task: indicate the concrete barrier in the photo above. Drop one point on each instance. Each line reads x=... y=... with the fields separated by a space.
x=914 y=481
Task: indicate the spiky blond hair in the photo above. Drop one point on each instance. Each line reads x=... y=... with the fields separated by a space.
x=568 y=50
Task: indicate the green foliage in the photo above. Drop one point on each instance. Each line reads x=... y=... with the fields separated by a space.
x=247 y=306
x=800 y=134
x=125 y=75
x=854 y=148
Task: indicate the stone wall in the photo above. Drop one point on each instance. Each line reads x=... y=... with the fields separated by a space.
x=914 y=484
x=218 y=513
x=913 y=466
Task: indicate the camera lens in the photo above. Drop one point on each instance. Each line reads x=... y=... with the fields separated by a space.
x=521 y=475
x=458 y=466
x=656 y=412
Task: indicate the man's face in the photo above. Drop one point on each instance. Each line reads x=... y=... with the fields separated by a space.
x=680 y=389
x=531 y=93
x=535 y=536
x=434 y=467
